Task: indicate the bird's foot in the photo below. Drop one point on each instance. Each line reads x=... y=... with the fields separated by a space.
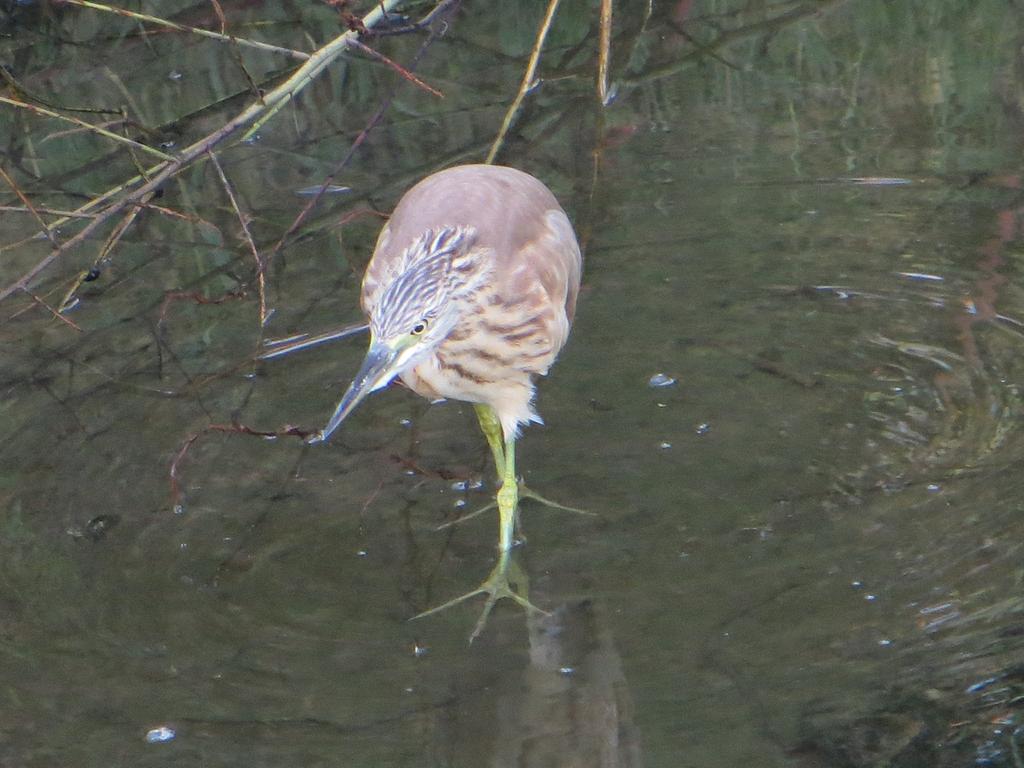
x=507 y=580
x=524 y=493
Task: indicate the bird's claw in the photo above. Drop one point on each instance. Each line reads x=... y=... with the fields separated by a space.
x=527 y=493
x=524 y=493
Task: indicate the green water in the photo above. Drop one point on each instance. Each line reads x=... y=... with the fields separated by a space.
x=806 y=550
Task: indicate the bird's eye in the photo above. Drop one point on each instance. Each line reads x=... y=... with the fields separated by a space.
x=419 y=328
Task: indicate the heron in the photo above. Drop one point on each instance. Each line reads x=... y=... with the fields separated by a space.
x=470 y=295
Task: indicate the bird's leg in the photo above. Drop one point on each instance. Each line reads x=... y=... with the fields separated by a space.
x=491 y=428
x=506 y=580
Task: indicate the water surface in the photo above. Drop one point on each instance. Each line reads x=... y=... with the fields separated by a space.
x=806 y=549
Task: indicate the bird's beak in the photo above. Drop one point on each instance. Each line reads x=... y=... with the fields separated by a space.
x=377 y=370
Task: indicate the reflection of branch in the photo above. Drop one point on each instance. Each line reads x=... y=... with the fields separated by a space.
x=730 y=36
x=272 y=101
x=172 y=296
x=526 y=84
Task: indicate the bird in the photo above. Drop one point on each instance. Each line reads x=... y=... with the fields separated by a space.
x=470 y=295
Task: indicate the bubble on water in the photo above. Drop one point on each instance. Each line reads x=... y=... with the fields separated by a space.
x=660 y=380
x=665 y=446
x=405 y=422
x=460 y=503
x=459 y=486
x=703 y=429
x=160 y=735
x=934 y=487
x=174 y=75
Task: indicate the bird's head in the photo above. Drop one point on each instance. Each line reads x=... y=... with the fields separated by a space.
x=415 y=313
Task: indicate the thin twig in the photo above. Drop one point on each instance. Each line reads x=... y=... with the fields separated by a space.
x=44 y=211
x=43 y=111
x=55 y=135
x=526 y=84
x=38 y=300
x=604 y=51
x=373 y=54
x=281 y=347
x=243 y=222
x=236 y=52
x=299 y=55
x=28 y=204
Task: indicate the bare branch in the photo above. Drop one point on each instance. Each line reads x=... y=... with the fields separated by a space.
x=160 y=173
x=243 y=222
